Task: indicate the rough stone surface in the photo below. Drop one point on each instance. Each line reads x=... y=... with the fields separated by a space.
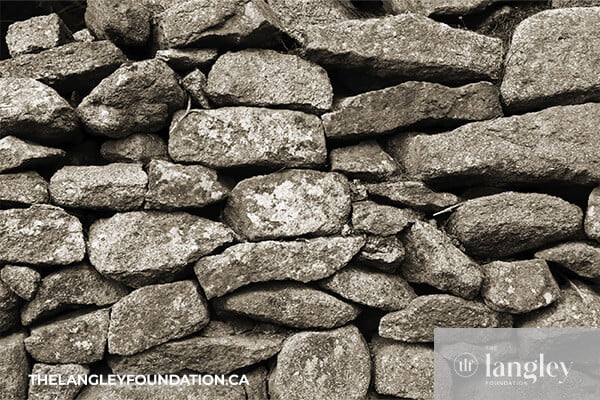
x=117 y=187
x=187 y=59
x=247 y=136
x=123 y=22
x=289 y=203
x=518 y=286
x=553 y=145
x=416 y=322
x=51 y=392
x=535 y=74
x=370 y=217
x=78 y=338
x=411 y=104
x=289 y=304
x=178 y=186
x=412 y=194
x=511 y=222
x=14 y=367
x=245 y=263
x=583 y=258
x=136 y=98
x=436 y=7
x=269 y=79
x=405 y=46
x=331 y=365
x=142 y=247
x=164 y=392
x=139 y=147
x=365 y=160
x=432 y=258
x=23 y=281
x=23 y=188
x=17 y=153
x=575 y=3
x=385 y=253
x=83 y=35
x=592 y=215
x=194 y=84
x=40 y=234
x=37 y=34
x=9 y=308
x=374 y=289
x=137 y=321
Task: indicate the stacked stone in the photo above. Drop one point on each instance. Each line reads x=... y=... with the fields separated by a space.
x=223 y=207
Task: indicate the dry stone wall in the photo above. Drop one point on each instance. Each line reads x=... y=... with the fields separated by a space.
x=297 y=191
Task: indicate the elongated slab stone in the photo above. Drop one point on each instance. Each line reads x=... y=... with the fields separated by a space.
x=14 y=367
x=436 y=7
x=187 y=59
x=412 y=194
x=592 y=215
x=23 y=188
x=17 y=153
x=583 y=258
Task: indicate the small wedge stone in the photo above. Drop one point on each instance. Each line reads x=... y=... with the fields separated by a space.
x=366 y=160
x=23 y=188
x=583 y=258
x=194 y=84
x=9 y=308
x=412 y=194
x=24 y=281
x=187 y=59
x=384 y=253
x=139 y=147
x=370 y=217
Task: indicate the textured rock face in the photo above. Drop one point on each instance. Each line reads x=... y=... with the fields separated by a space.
x=510 y=222
x=436 y=7
x=23 y=188
x=412 y=194
x=405 y=46
x=583 y=258
x=246 y=263
x=535 y=75
x=40 y=234
x=142 y=247
x=574 y=3
x=194 y=84
x=137 y=321
x=187 y=59
x=14 y=367
x=322 y=365
x=366 y=160
x=385 y=253
x=270 y=79
x=37 y=34
x=592 y=215
x=83 y=35
x=9 y=308
x=163 y=392
x=411 y=104
x=46 y=392
x=376 y=219
x=287 y=204
x=139 y=147
x=138 y=97
x=245 y=136
x=17 y=153
x=125 y=23
x=23 y=281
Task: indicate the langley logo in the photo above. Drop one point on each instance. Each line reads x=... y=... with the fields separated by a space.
x=529 y=370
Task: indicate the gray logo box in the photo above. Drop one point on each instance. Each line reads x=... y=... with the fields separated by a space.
x=516 y=364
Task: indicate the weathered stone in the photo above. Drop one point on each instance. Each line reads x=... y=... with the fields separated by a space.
x=592 y=215
x=137 y=97
x=143 y=247
x=78 y=338
x=289 y=304
x=510 y=222
x=35 y=111
x=9 y=308
x=187 y=59
x=302 y=260
x=76 y=286
x=73 y=66
x=385 y=253
x=269 y=79
x=366 y=160
x=376 y=219
x=83 y=35
x=17 y=153
x=519 y=286
x=416 y=322
x=583 y=258
x=372 y=288
x=23 y=281
x=139 y=147
x=436 y=7
x=123 y=22
x=432 y=258
x=405 y=46
x=535 y=74
x=178 y=186
x=137 y=320
x=164 y=392
x=23 y=188
x=14 y=367
x=40 y=234
x=412 y=194
x=289 y=203
x=257 y=388
x=118 y=187
x=63 y=392
x=37 y=34
x=553 y=145
x=575 y=3
x=194 y=84
x=246 y=136
x=411 y=104
x=331 y=365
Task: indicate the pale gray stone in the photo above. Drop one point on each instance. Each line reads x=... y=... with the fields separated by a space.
x=55 y=392
x=592 y=215
x=139 y=147
x=17 y=153
x=23 y=281
x=365 y=160
x=14 y=367
x=412 y=194
x=583 y=258
x=37 y=34
x=23 y=188
x=83 y=35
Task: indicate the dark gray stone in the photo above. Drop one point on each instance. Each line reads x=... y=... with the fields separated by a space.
x=139 y=147
x=14 y=367
x=365 y=160
x=23 y=281
x=9 y=308
x=17 y=153
x=187 y=59
x=23 y=188
x=583 y=258
x=123 y=22
x=37 y=34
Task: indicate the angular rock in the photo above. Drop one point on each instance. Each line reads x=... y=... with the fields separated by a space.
x=289 y=203
x=553 y=145
x=73 y=66
x=117 y=187
x=374 y=289
x=535 y=75
x=266 y=78
x=302 y=260
x=9 y=308
x=64 y=371
x=519 y=286
x=14 y=367
x=78 y=338
x=123 y=22
x=436 y=7
x=17 y=153
x=194 y=84
x=137 y=321
x=187 y=59
x=411 y=104
x=137 y=97
x=67 y=288
x=164 y=392
x=139 y=147
x=376 y=219
x=23 y=188
x=37 y=34
x=412 y=194
x=178 y=186
x=406 y=46
x=592 y=215
x=416 y=322
x=245 y=136
x=143 y=247
x=582 y=258
x=40 y=234
x=510 y=222
x=331 y=365
x=432 y=258
x=83 y=35
x=385 y=253
x=23 y=281
x=289 y=304
x=366 y=160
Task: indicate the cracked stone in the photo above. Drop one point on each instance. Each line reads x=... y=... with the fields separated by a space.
x=37 y=34
x=23 y=281
x=23 y=188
